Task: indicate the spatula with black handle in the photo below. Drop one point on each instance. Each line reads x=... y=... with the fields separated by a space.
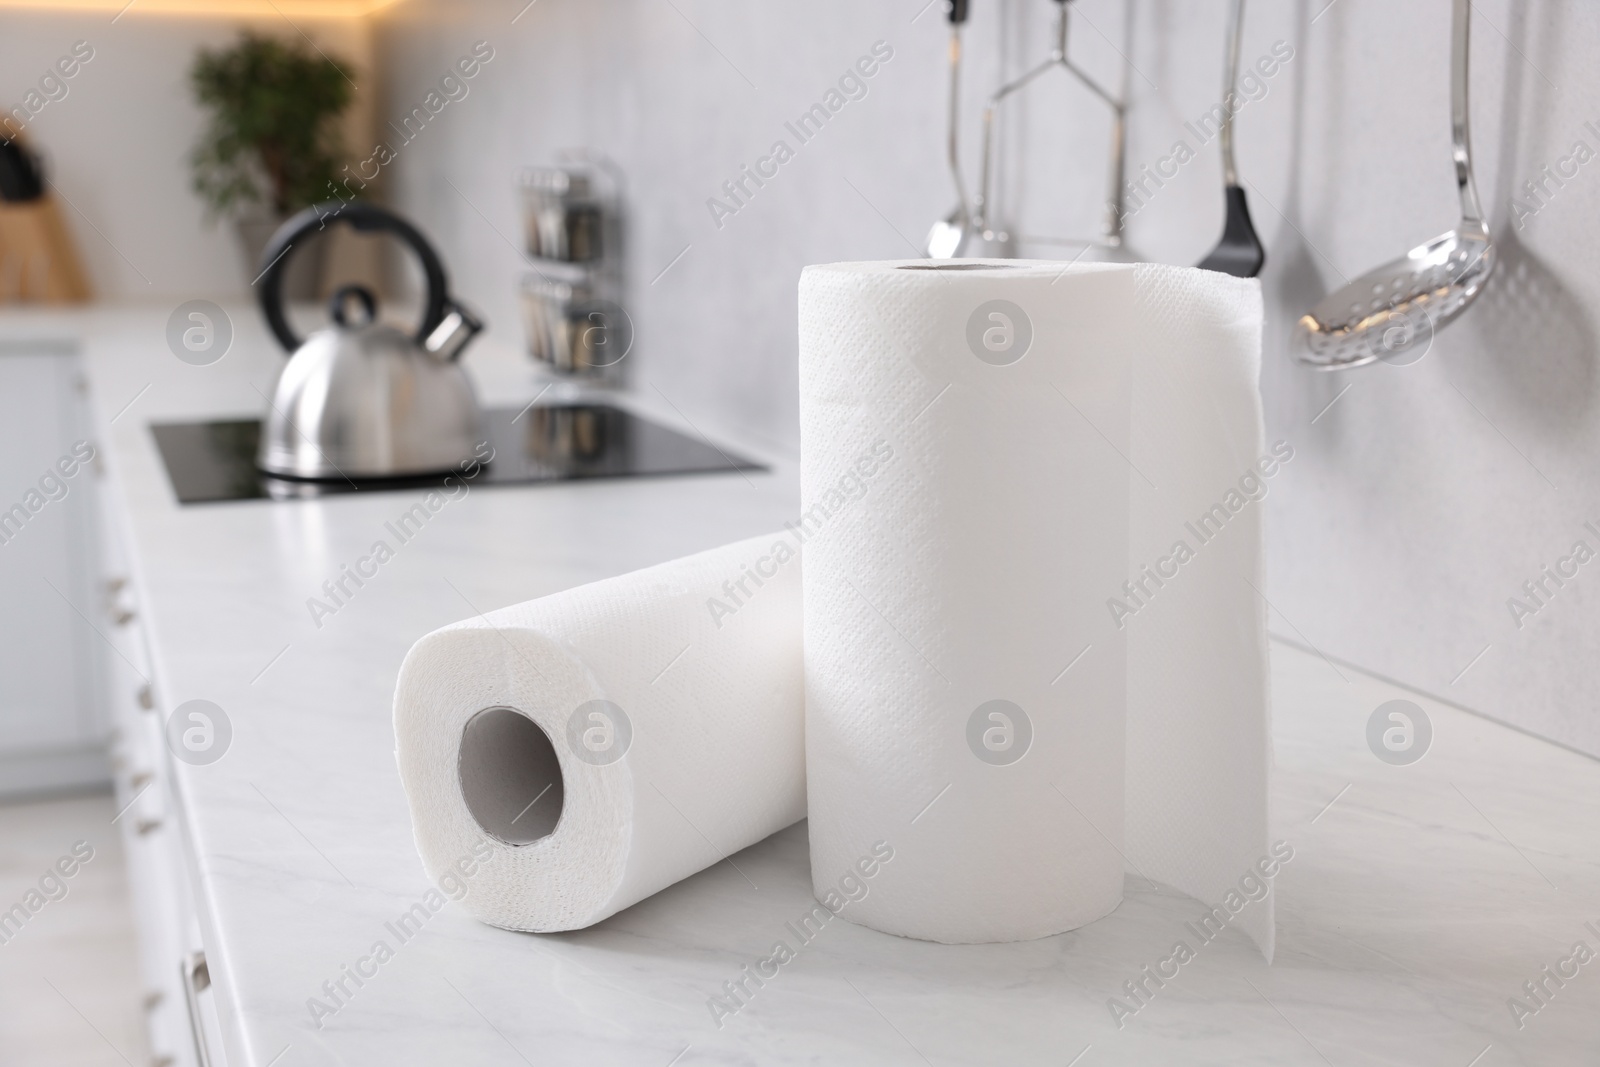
x=1239 y=253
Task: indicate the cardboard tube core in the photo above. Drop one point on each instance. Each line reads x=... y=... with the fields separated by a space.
x=510 y=776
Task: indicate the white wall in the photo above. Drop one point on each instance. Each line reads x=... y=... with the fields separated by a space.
x=117 y=145
x=1432 y=492
x=1416 y=505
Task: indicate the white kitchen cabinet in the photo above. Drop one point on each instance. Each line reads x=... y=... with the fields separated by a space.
x=79 y=703
x=52 y=722
x=179 y=1024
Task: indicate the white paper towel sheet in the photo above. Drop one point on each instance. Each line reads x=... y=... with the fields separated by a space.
x=1199 y=709
x=974 y=695
x=671 y=735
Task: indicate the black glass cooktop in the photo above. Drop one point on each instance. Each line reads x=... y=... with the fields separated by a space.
x=212 y=461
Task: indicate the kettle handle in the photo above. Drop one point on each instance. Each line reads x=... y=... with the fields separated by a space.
x=366 y=218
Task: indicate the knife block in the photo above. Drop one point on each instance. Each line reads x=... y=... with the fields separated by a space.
x=38 y=263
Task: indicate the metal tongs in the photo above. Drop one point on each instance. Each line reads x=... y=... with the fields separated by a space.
x=982 y=218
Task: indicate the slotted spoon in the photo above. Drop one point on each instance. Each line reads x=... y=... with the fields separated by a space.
x=1392 y=313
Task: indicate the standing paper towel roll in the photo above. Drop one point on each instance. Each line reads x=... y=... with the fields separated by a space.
x=942 y=609
x=967 y=695
x=602 y=743
x=1199 y=742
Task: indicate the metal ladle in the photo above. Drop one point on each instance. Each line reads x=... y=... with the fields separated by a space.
x=1398 y=307
x=1239 y=253
x=950 y=233
x=983 y=221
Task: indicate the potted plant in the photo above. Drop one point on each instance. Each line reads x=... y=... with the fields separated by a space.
x=272 y=144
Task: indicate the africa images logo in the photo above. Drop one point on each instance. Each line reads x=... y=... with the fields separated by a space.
x=1399 y=732
x=599 y=732
x=999 y=332
x=999 y=732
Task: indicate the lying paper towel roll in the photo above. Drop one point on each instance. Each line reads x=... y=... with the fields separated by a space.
x=966 y=674
x=609 y=740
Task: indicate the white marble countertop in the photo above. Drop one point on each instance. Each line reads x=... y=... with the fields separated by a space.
x=1419 y=898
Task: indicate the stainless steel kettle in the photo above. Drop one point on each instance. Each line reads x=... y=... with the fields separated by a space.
x=360 y=399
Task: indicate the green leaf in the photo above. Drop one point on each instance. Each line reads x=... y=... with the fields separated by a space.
x=272 y=137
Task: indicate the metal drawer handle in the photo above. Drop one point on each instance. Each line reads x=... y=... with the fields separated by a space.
x=146 y=697
x=145 y=826
x=114 y=589
x=196 y=977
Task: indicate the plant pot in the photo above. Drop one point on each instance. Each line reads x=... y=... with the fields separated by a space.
x=305 y=271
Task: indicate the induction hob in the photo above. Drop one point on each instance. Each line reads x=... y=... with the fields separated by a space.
x=215 y=461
